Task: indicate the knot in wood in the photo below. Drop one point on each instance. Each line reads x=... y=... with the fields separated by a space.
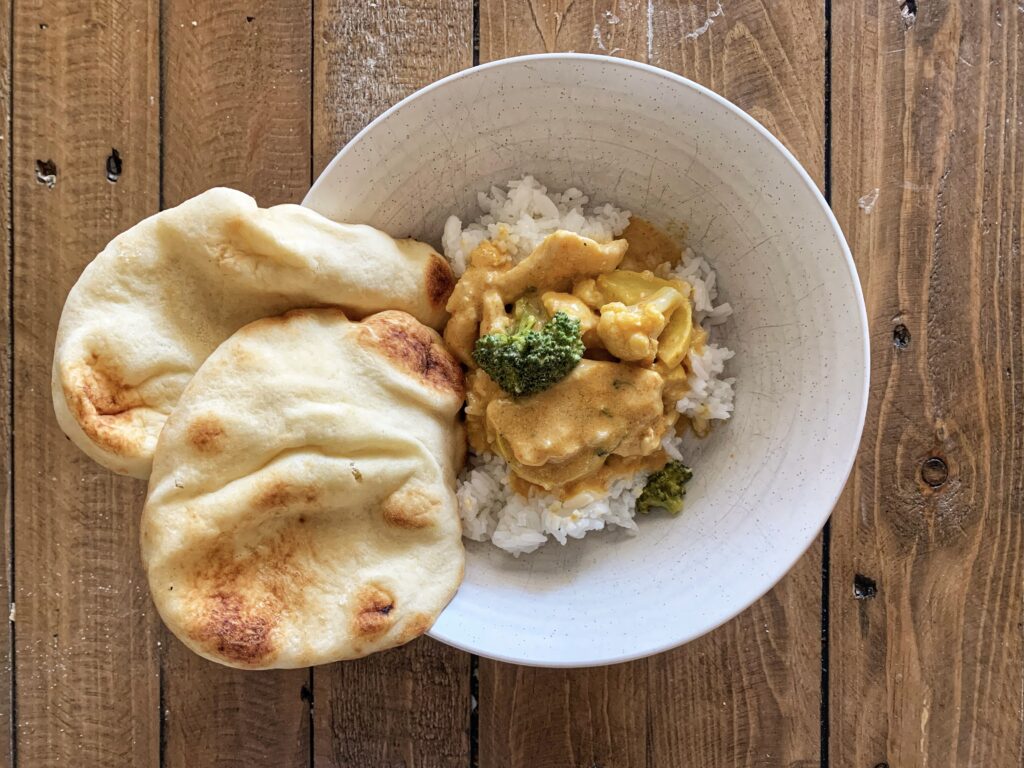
x=934 y=471
x=901 y=336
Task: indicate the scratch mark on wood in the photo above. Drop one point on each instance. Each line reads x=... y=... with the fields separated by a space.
x=707 y=23
x=867 y=202
x=650 y=31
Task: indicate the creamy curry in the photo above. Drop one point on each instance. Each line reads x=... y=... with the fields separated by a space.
x=608 y=416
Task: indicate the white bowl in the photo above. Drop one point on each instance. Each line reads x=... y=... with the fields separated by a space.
x=673 y=152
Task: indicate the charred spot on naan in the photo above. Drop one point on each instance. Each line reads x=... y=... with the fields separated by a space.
x=102 y=403
x=414 y=348
x=206 y=434
x=243 y=593
x=373 y=611
x=235 y=631
x=440 y=281
x=410 y=508
x=279 y=494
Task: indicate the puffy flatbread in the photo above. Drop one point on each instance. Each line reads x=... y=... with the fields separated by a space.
x=301 y=507
x=160 y=298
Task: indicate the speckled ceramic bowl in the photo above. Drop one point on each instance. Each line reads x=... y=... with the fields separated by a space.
x=674 y=152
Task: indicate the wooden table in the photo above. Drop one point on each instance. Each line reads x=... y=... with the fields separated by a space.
x=896 y=641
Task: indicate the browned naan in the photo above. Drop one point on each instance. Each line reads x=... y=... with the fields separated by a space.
x=160 y=298
x=301 y=506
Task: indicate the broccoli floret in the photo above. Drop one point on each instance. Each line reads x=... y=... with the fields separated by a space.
x=525 y=360
x=665 y=489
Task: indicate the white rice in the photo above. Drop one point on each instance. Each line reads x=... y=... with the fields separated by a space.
x=518 y=220
x=524 y=215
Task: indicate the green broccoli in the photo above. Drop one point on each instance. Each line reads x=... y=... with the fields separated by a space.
x=665 y=489
x=525 y=360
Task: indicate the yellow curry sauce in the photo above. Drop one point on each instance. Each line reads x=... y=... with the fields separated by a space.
x=607 y=418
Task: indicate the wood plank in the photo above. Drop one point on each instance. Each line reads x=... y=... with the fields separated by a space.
x=748 y=693
x=405 y=707
x=6 y=398
x=761 y=702
x=236 y=113
x=409 y=706
x=87 y=81
x=367 y=56
x=927 y=579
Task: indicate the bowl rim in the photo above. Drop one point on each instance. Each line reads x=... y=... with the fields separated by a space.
x=854 y=445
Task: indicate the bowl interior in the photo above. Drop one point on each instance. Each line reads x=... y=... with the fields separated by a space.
x=680 y=156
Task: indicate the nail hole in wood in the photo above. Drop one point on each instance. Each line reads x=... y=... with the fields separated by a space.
x=250 y=19
x=44 y=26
x=882 y=765
x=908 y=12
x=934 y=471
x=114 y=166
x=863 y=587
x=46 y=173
x=901 y=336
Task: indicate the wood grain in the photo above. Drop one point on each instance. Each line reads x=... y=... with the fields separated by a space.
x=86 y=81
x=927 y=652
x=369 y=55
x=518 y=27
x=404 y=707
x=237 y=106
x=6 y=394
x=748 y=694
x=236 y=113
x=410 y=706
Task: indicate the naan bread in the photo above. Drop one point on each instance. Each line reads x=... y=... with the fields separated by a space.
x=160 y=298
x=301 y=507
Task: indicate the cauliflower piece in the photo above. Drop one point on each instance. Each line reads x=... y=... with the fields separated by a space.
x=587 y=292
x=630 y=332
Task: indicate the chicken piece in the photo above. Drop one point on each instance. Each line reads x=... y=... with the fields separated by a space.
x=480 y=391
x=568 y=431
x=487 y=255
x=676 y=384
x=493 y=317
x=631 y=332
x=561 y=259
x=565 y=302
x=465 y=305
x=595 y=486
